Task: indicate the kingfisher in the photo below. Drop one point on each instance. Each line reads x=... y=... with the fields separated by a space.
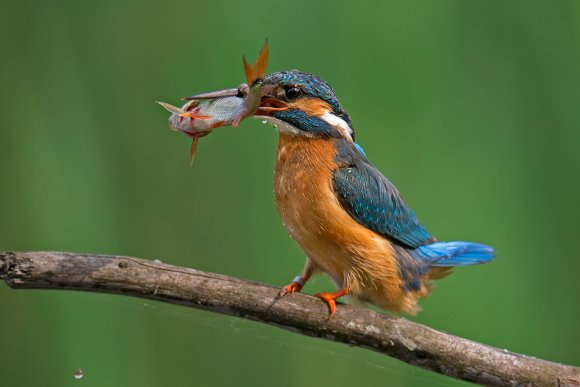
x=350 y=220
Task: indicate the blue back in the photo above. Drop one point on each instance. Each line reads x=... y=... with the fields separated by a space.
x=373 y=201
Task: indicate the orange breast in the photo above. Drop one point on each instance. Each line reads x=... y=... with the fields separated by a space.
x=354 y=256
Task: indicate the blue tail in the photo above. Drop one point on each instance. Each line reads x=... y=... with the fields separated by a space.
x=454 y=253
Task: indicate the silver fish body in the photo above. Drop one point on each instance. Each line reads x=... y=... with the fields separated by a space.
x=198 y=118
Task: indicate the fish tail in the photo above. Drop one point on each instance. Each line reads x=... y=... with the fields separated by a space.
x=257 y=70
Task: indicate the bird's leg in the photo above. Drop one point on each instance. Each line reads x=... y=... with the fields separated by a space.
x=298 y=282
x=330 y=298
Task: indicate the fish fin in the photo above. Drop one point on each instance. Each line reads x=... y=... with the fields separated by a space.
x=237 y=119
x=192 y=150
x=258 y=69
x=195 y=115
x=170 y=108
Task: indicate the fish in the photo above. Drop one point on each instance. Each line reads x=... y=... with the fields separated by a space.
x=207 y=111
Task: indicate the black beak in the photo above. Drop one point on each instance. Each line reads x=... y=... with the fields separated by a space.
x=215 y=94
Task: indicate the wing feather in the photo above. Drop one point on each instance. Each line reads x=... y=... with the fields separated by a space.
x=373 y=201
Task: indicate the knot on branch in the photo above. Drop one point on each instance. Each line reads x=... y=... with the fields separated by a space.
x=14 y=270
x=5 y=263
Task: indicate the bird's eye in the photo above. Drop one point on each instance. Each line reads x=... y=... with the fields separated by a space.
x=293 y=93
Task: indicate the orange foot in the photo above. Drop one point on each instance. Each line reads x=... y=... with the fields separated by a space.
x=295 y=286
x=330 y=298
x=291 y=288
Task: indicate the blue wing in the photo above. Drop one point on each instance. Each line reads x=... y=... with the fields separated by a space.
x=373 y=201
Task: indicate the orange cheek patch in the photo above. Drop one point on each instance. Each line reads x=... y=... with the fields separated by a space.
x=311 y=106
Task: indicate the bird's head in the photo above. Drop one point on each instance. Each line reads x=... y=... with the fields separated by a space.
x=296 y=103
x=302 y=104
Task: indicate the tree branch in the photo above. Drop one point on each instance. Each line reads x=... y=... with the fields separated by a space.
x=402 y=339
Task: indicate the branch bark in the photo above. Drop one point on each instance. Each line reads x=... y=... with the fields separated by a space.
x=402 y=339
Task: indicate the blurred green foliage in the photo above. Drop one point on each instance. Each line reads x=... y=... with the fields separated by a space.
x=469 y=107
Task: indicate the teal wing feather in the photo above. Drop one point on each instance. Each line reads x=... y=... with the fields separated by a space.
x=373 y=201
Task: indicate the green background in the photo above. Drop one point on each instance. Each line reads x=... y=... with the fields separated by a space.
x=469 y=107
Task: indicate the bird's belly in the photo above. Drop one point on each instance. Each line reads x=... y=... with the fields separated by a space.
x=354 y=256
x=303 y=206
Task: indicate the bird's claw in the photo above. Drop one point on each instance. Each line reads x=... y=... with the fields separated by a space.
x=291 y=288
x=330 y=298
x=329 y=301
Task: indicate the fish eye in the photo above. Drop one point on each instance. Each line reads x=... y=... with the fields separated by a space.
x=243 y=90
x=293 y=92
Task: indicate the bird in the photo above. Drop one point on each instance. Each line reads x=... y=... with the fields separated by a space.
x=348 y=218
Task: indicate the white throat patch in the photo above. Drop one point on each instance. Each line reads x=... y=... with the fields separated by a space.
x=339 y=124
